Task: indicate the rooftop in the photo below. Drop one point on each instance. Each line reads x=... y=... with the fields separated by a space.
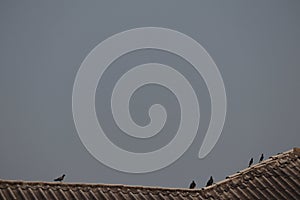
x=275 y=178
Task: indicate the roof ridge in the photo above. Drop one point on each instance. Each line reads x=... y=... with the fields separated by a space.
x=97 y=185
x=263 y=163
x=111 y=187
x=259 y=165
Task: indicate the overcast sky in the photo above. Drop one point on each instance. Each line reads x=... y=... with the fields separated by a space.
x=256 y=46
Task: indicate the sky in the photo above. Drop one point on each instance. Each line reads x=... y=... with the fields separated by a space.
x=255 y=45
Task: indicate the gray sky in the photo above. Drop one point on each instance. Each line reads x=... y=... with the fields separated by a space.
x=255 y=44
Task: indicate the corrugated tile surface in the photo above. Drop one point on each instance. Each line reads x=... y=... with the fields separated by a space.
x=275 y=178
x=42 y=190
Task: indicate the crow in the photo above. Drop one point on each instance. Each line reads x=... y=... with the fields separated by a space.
x=261 y=157
x=192 y=185
x=250 y=162
x=210 y=182
x=60 y=179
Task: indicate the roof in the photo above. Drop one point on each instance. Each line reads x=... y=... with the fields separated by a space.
x=275 y=178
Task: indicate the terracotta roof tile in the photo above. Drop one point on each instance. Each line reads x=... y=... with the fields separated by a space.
x=275 y=178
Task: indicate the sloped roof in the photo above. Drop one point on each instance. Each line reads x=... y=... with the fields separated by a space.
x=275 y=178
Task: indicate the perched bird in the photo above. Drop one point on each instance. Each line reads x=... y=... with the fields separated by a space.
x=261 y=157
x=192 y=185
x=210 y=182
x=250 y=162
x=60 y=178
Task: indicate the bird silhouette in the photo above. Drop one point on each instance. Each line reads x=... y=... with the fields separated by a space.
x=192 y=185
x=261 y=157
x=250 y=162
x=210 y=182
x=61 y=178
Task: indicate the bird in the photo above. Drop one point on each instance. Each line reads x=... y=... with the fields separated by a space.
x=261 y=157
x=192 y=185
x=61 y=178
x=250 y=162
x=210 y=182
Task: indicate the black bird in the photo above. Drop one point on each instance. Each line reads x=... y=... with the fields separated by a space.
x=250 y=162
x=261 y=157
x=192 y=185
x=60 y=178
x=210 y=182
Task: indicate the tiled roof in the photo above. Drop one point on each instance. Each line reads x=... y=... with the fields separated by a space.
x=275 y=178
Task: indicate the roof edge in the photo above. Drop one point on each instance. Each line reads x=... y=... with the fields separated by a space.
x=98 y=185
x=294 y=151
